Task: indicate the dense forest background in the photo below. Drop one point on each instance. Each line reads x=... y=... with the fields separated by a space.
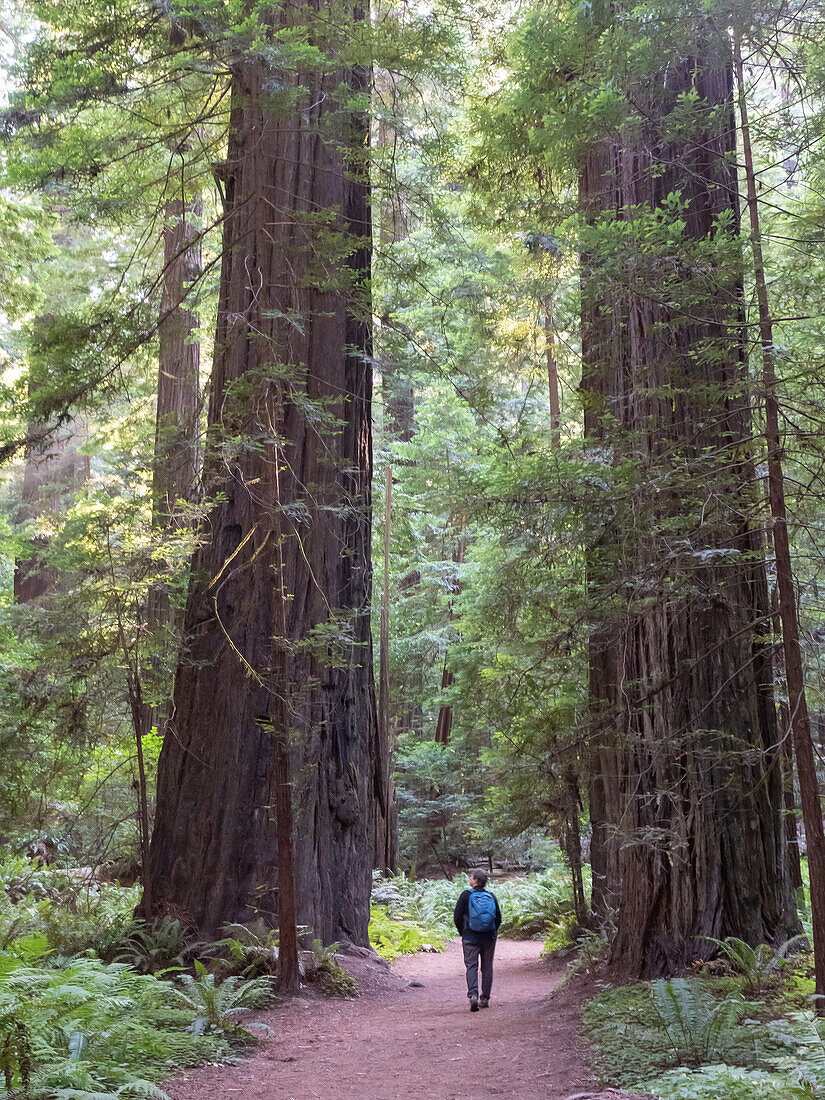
x=413 y=455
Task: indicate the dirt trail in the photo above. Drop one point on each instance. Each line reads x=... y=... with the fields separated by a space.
x=416 y=1042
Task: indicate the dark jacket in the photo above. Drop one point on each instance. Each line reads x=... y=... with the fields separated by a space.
x=461 y=919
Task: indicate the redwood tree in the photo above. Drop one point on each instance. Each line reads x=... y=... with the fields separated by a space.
x=686 y=790
x=278 y=659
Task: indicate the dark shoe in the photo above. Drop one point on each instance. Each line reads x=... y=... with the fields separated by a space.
x=474 y=1004
x=484 y=1002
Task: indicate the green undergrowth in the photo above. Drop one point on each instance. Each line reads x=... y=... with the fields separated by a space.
x=394 y=936
x=72 y=913
x=704 y=1038
x=87 y=1029
x=408 y=915
x=94 y=1004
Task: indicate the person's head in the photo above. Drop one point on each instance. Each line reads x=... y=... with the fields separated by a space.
x=478 y=878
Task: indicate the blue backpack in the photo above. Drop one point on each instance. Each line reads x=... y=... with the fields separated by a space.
x=482 y=911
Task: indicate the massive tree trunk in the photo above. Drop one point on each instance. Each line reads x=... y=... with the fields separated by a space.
x=277 y=620
x=686 y=789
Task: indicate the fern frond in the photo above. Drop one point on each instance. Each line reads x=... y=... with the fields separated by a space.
x=693 y=1022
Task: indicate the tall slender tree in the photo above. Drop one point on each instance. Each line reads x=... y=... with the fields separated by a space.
x=398 y=425
x=274 y=695
x=444 y=722
x=386 y=816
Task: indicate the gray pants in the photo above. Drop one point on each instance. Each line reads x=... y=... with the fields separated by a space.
x=484 y=950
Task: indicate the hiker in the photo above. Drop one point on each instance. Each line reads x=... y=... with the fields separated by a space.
x=477 y=917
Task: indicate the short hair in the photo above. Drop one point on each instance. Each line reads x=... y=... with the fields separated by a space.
x=479 y=875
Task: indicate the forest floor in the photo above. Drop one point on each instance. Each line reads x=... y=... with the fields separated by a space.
x=401 y=1040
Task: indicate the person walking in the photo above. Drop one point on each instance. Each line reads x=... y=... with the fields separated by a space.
x=477 y=918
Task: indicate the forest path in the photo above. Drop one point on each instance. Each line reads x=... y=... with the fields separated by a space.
x=416 y=1041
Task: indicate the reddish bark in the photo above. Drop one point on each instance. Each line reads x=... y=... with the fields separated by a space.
x=289 y=405
x=444 y=723
x=399 y=424
x=686 y=788
x=175 y=460
x=786 y=734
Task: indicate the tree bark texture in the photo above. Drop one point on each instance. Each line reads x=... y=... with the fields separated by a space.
x=289 y=408
x=686 y=790
x=444 y=722
x=393 y=227
x=398 y=424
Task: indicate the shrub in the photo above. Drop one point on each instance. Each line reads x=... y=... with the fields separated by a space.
x=74 y=918
x=533 y=905
x=784 y=1057
x=95 y=919
x=759 y=965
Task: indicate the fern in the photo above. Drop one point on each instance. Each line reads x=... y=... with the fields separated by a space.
x=85 y=1029
x=798 y=1031
x=322 y=967
x=154 y=948
x=696 y=1025
x=253 y=949
x=759 y=965
x=215 y=1004
x=529 y=906
x=391 y=937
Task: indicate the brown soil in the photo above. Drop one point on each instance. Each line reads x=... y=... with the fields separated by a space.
x=419 y=1041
